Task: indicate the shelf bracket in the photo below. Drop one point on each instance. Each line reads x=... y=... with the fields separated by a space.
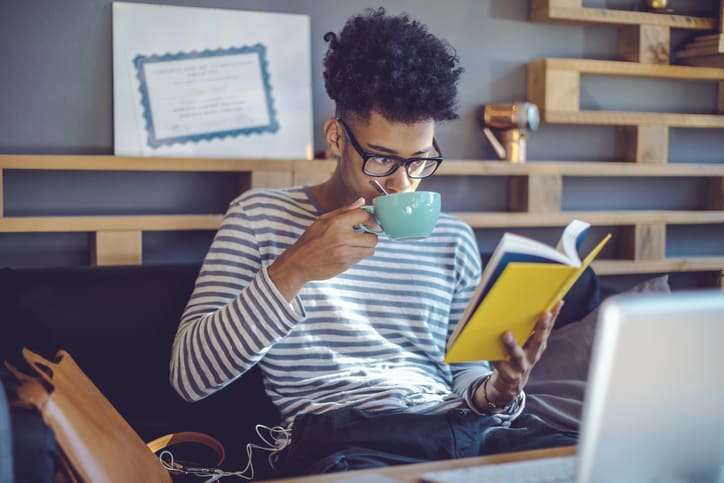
x=2 y=194
x=644 y=241
x=643 y=144
x=540 y=193
x=553 y=89
x=713 y=193
x=646 y=44
x=117 y=248
x=271 y=179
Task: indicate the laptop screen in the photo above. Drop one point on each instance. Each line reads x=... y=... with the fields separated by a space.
x=654 y=404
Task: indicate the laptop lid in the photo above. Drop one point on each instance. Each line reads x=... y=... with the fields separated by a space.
x=654 y=406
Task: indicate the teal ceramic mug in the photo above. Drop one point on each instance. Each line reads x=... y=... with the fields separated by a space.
x=405 y=216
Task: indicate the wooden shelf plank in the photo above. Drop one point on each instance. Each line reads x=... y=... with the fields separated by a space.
x=65 y=224
x=476 y=219
x=577 y=168
x=621 y=118
x=312 y=168
x=546 y=11
x=706 y=60
x=121 y=163
x=630 y=267
x=596 y=218
x=630 y=69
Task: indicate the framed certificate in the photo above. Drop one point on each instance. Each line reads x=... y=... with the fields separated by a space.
x=211 y=83
x=195 y=96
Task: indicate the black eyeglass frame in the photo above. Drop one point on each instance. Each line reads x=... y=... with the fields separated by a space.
x=398 y=160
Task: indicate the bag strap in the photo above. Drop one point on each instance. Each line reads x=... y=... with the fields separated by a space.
x=40 y=363
x=19 y=375
x=167 y=440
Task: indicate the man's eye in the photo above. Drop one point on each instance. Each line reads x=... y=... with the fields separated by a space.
x=380 y=161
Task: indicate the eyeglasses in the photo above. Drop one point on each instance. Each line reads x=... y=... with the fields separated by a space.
x=379 y=165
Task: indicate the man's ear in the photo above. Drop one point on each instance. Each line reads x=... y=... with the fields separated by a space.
x=333 y=136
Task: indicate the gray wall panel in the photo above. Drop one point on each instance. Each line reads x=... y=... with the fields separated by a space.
x=56 y=98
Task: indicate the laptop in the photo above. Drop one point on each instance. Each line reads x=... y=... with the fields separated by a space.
x=654 y=405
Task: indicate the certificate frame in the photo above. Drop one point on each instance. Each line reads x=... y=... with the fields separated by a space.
x=276 y=121
x=154 y=140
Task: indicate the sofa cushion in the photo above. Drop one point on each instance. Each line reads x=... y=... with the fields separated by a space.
x=557 y=384
x=584 y=296
x=118 y=323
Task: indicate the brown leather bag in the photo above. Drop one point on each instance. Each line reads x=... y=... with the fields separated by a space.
x=95 y=441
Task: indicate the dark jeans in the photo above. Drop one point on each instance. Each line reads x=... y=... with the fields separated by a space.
x=350 y=439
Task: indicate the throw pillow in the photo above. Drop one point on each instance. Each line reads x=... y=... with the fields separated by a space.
x=557 y=384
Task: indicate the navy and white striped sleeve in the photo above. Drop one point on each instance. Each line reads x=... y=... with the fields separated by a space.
x=235 y=313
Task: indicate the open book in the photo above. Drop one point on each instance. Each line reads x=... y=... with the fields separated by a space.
x=523 y=279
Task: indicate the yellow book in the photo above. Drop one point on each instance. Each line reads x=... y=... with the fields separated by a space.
x=523 y=279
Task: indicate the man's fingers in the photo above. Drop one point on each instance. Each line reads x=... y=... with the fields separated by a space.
x=516 y=353
x=557 y=309
x=513 y=374
x=350 y=215
x=536 y=344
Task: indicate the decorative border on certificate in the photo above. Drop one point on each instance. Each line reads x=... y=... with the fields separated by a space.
x=200 y=96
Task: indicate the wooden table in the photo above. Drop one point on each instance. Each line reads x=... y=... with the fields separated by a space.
x=412 y=473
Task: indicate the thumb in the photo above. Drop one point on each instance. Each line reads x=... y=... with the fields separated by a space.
x=355 y=204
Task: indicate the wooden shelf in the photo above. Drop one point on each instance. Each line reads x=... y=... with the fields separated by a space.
x=572 y=12
x=705 y=60
x=123 y=163
x=476 y=219
x=534 y=197
x=596 y=218
x=316 y=171
x=578 y=168
x=628 y=69
x=67 y=224
x=555 y=84
x=630 y=267
x=642 y=138
x=620 y=118
x=451 y=167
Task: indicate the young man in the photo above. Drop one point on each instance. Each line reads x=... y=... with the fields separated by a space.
x=350 y=329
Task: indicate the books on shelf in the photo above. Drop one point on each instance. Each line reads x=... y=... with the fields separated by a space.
x=522 y=279
x=704 y=50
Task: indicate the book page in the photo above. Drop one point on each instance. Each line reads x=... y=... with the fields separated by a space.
x=571 y=240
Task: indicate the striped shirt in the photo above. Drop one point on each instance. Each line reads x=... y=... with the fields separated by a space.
x=372 y=337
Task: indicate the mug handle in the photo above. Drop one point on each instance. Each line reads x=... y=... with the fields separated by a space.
x=370 y=209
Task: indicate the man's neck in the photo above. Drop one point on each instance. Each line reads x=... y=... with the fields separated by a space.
x=330 y=195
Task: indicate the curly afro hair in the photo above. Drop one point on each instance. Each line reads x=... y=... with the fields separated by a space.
x=392 y=65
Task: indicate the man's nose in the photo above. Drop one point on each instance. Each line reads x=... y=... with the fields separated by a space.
x=398 y=181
